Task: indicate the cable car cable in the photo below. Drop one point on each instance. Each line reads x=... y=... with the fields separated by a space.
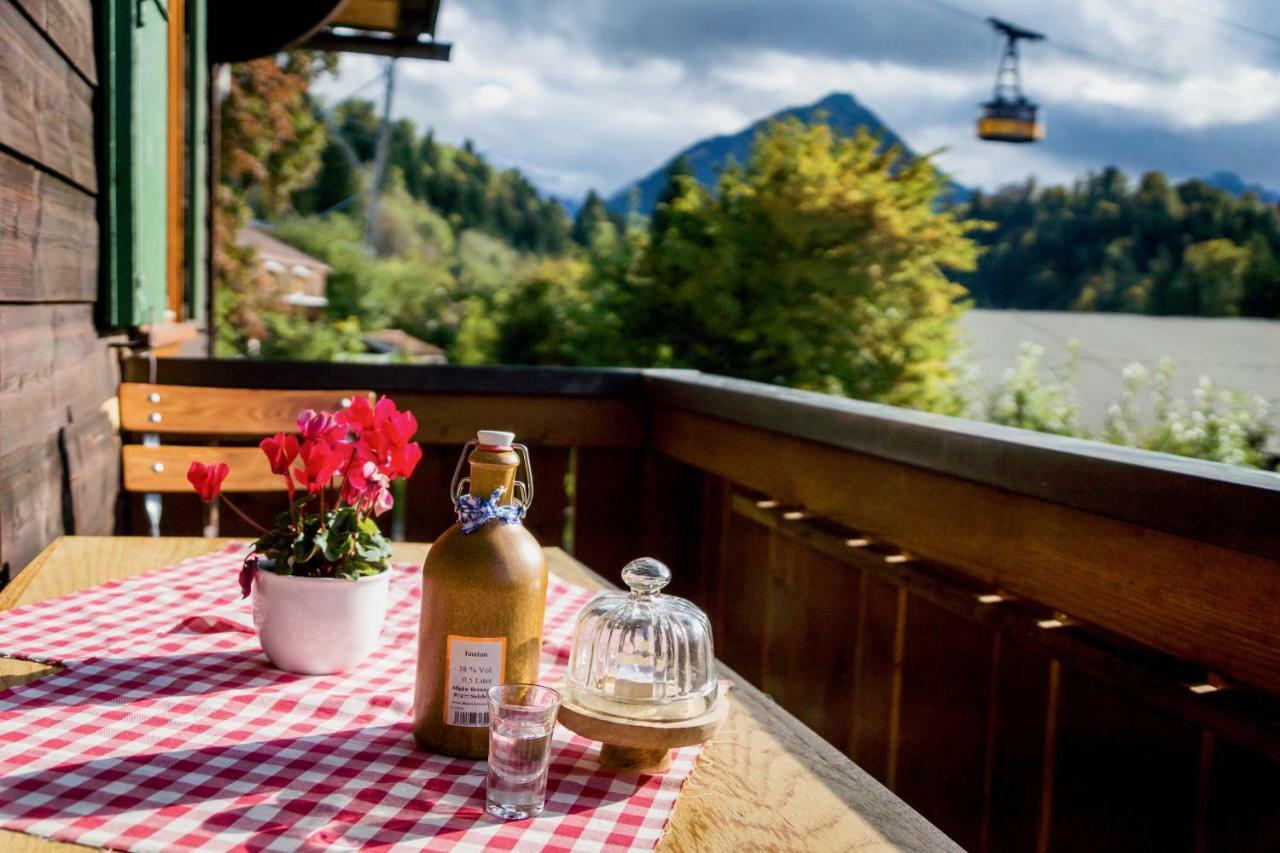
x=1052 y=42
x=1226 y=22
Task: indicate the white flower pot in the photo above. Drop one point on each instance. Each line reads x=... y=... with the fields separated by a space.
x=318 y=626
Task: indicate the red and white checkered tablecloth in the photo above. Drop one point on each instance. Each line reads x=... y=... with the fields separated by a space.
x=168 y=730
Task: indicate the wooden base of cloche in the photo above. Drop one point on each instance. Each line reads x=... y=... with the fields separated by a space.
x=642 y=746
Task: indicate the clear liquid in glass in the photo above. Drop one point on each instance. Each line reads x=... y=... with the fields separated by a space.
x=519 y=752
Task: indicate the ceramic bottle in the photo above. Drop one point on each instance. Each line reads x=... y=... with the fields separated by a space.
x=484 y=590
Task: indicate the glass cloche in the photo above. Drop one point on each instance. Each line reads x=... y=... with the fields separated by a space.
x=642 y=655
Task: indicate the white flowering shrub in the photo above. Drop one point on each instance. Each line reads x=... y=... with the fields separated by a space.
x=1215 y=424
x=1030 y=399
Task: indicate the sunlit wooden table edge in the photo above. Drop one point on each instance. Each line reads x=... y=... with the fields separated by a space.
x=766 y=781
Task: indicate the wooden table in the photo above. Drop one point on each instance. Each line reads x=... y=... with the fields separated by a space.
x=764 y=782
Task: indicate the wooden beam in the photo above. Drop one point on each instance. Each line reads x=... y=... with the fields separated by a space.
x=516 y=382
x=397 y=46
x=176 y=213
x=536 y=420
x=1198 y=602
x=1226 y=504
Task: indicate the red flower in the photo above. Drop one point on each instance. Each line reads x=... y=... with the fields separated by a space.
x=358 y=416
x=321 y=426
x=400 y=427
x=207 y=479
x=319 y=463
x=405 y=459
x=281 y=450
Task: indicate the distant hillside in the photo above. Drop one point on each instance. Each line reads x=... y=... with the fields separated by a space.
x=707 y=157
x=1234 y=184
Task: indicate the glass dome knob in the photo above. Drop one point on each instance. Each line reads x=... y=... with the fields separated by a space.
x=646 y=575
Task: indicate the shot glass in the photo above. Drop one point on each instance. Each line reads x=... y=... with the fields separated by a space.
x=522 y=718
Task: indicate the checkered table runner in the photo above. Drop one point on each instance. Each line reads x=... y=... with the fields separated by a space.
x=168 y=730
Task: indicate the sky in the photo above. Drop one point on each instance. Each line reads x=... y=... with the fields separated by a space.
x=582 y=94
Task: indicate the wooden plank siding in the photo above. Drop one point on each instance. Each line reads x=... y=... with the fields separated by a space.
x=68 y=25
x=46 y=114
x=48 y=237
x=59 y=452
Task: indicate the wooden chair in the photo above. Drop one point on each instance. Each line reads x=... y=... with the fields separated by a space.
x=201 y=416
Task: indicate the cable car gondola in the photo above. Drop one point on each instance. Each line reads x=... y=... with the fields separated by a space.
x=1010 y=116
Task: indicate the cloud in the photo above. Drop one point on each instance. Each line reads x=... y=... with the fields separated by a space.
x=593 y=93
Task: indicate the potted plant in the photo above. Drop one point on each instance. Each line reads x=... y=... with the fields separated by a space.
x=319 y=575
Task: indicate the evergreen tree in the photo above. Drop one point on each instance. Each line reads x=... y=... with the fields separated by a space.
x=403 y=153
x=590 y=216
x=1101 y=246
x=336 y=185
x=358 y=122
x=678 y=175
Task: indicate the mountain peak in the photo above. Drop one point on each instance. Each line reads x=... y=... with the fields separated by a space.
x=837 y=100
x=708 y=157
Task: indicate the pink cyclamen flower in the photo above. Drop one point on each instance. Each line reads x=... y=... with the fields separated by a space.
x=321 y=426
x=207 y=479
x=380 y=500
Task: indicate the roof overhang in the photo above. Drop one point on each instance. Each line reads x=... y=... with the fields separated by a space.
x=384 y=27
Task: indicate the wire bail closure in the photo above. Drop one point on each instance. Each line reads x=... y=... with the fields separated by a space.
x=521 y=491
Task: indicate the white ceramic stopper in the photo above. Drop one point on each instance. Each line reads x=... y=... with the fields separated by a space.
x=495 y=438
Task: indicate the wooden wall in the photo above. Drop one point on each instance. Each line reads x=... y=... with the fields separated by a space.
x=59 y=455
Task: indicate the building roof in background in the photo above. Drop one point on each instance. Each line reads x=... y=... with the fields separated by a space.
x=269 y=248
x=387 y=340
x=1236 y=354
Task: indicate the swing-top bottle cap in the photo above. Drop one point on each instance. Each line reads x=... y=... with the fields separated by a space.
x=495 y=438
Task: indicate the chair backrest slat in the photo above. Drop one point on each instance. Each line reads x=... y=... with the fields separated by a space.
x=184 y=409
x=163 y=470
x=236 y=413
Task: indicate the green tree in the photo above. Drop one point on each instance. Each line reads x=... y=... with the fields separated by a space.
x=821 y=264
x=1100 y=245
x=337 y=184
x=590 y=217
x=1212 y=277
x=358 y=122
x=269 y=149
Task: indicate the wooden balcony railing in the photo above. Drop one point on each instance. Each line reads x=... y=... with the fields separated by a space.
x=1038 y=642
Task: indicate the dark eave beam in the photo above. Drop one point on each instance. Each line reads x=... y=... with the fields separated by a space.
x=380 y=45
x=418 y=16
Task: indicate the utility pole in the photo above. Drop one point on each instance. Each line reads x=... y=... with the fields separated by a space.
x=382 y=151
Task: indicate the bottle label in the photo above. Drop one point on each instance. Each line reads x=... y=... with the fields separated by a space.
x=474 y=665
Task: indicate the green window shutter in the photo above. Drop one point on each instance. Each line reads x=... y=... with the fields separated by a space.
x=135 y=100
